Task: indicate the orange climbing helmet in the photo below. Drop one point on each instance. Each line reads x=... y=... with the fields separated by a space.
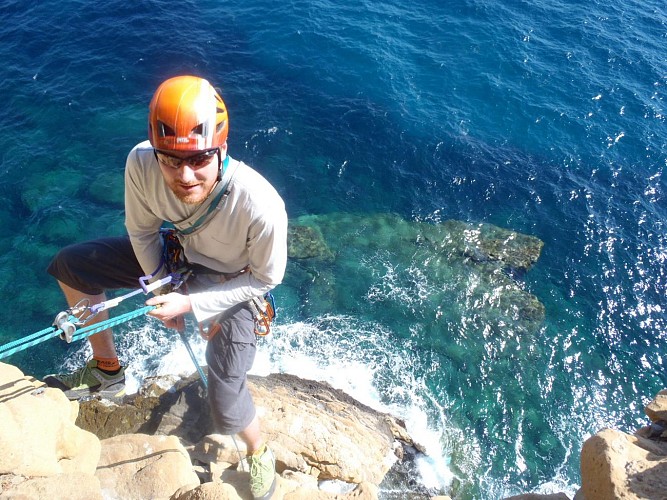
x=187 y=114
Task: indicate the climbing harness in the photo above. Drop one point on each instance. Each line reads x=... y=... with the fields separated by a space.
x=175 y=262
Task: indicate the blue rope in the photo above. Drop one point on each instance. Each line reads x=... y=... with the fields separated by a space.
x=43 y=335
x=87 y=331
x=29 y=341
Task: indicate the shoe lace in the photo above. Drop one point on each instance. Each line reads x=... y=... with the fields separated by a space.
x=260 y=471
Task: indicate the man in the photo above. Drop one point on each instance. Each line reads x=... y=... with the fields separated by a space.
x=232 y=226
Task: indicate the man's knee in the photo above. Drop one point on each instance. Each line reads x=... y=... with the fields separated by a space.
x=97 y=265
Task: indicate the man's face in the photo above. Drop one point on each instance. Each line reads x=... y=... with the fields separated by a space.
x=193 y=179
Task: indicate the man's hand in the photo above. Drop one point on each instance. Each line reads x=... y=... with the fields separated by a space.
x=170 y=309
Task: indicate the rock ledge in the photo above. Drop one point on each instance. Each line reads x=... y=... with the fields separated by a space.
x=160 y=444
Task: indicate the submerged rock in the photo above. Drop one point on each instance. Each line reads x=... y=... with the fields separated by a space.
x=454 y=268
x=305 y=242
x=486 y=242
x=53 y=188
x=108 y=188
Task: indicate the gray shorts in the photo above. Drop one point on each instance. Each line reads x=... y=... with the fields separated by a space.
x=230 y=355
x=109 y=263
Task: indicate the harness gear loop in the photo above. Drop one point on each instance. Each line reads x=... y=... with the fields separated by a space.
x=264 y=310
x=209 y=330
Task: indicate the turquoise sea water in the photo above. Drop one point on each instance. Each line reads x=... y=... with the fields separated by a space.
x=546 y=117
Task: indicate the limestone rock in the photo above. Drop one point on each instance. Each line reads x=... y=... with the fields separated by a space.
x=363 y=491
x=107 y=418
x=208 y=491
x=311 y=427
x=38 y=434
x=164 y=405
x=319 y=430
x=142 y=466
x=317 y=433
x=618 y=465
x=217 y=448
x=70 y=485
x=656 y=410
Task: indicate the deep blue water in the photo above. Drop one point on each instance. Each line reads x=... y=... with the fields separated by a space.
x=546 y=117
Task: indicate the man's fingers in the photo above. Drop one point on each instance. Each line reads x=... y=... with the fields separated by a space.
x=155 y=301
x=169 y=306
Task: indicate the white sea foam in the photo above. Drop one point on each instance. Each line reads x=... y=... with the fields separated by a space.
x=365 y=363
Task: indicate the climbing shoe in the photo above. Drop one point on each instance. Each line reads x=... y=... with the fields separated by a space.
x=89 y=381
x=262 y=473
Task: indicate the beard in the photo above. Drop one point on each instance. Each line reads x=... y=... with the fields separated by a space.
x=192 y=194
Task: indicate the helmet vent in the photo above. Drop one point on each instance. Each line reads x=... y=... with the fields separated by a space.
x=165 y=130
x=200 y=129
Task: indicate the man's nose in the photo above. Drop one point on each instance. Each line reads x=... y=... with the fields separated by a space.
x=186 y=173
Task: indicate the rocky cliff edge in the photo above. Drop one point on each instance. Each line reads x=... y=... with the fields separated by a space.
x=159 y=443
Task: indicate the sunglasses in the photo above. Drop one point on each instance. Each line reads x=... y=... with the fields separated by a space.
x=196 y=160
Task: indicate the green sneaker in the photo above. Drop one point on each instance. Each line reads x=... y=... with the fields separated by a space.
x=89 y=381
x=262 y=473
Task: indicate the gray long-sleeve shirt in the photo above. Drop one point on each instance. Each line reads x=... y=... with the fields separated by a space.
x=248 y=229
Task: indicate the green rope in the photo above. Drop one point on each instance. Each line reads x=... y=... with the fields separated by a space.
x=43 y=335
